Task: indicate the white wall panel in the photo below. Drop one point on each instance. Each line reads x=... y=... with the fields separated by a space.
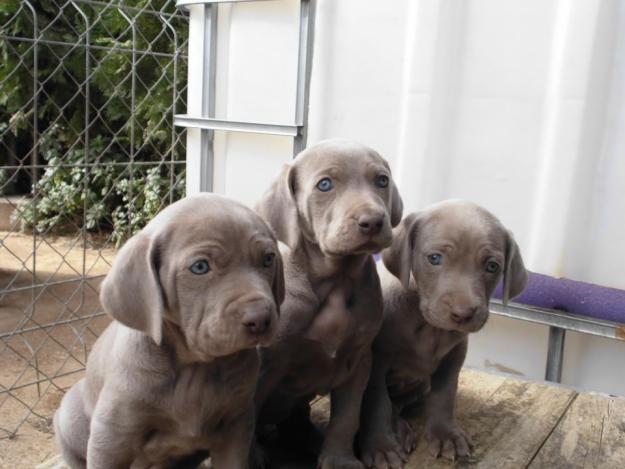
x=517 y=105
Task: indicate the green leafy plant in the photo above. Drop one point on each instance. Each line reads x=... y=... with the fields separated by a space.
x=104 y=198
x=125 y=176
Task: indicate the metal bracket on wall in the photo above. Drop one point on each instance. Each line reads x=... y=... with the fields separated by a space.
x=208 y=123
x=559 y=322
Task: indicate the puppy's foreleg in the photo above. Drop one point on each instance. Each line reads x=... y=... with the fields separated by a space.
x=377 y=438
x=346 y=401
x=234 y=450
x=444 y=435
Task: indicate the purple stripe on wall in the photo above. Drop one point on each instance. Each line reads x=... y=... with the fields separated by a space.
x=572 y=296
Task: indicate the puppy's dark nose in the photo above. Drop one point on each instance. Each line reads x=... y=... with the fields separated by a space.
x=256 y=319
x=462 y=314
x=371 y=223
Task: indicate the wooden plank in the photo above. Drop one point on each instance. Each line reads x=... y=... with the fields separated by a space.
x=320 y=411
x=612 y=452
x=591 y=435
x=508 y=425
x=475 y=387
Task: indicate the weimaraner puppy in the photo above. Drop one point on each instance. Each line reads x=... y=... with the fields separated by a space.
x=443 y=267
x=333 y=206
x=191 y=295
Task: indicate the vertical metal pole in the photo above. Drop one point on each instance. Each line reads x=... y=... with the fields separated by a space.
x=133 y=110
x=304 y=70
x=555 y=354
x=172 y=158
x=34 y=156
x=209 y=61
x=86 y=173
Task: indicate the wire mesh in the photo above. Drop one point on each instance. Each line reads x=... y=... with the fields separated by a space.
x=88 y=153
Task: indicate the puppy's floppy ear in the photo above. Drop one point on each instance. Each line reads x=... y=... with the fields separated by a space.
x=278 y=207
x=398 y=257
x=277 y=287
x=397 y=206
x=131 y=292
x=514 y=273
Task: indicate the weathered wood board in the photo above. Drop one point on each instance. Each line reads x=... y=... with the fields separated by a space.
x=590 y=435
x=514 y=424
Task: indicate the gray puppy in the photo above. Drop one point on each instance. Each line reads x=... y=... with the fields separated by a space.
x=456 y=252
x=334 y=206
x=192 y=296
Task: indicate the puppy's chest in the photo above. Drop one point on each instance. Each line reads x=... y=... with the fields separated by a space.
x=423 y=347
x=314 y=371
x=202 y=397
x=346 y=319
x=332 y=346
x=202 y=403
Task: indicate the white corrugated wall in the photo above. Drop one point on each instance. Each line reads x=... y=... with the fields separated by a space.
x=517 y=105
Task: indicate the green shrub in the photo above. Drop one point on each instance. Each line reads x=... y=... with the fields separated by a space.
x=113 y=194
x=103 y=195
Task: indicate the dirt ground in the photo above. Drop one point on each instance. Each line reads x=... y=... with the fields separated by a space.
x=46 y=333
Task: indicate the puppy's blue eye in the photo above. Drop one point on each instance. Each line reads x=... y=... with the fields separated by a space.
x=200 y=267
x=435 y=259
x=324 y=185
x=268 y=259
x=492 y=267
x=381 y=181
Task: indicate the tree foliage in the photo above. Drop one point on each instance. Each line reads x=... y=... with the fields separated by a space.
x=126 y=124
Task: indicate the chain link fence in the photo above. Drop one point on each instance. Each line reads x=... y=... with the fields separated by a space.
x=88 y=154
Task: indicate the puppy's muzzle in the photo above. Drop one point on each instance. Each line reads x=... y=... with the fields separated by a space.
x=256 y=317
x=370 y=223
x=463 y=314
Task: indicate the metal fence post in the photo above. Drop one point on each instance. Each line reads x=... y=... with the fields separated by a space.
x=555 y=354
x=201 y=96
x=304 y=71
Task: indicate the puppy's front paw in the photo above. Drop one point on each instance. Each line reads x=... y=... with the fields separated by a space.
x=382 y=451
x=332 y=461
x=448 y=440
